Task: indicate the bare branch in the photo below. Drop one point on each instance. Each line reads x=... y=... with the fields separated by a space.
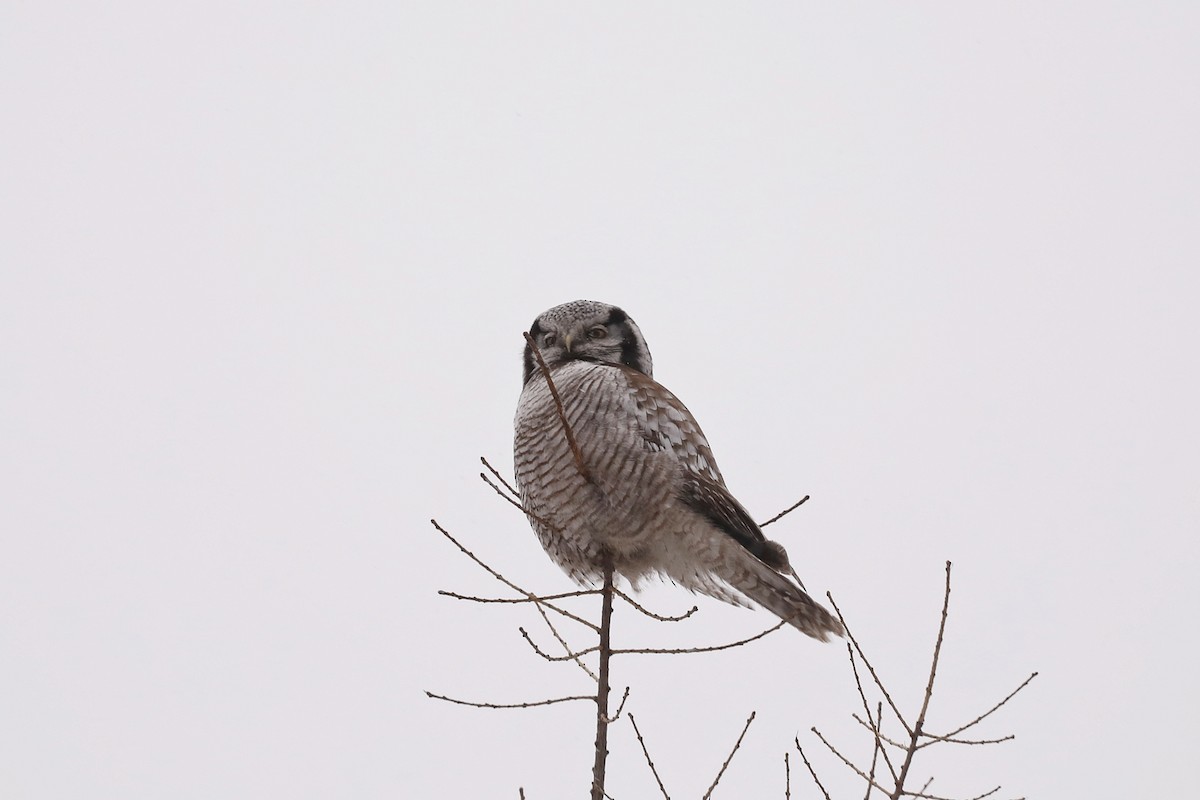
x=875 y=732
x=876 y=726
x=915 y=733
x=812 y=771
x=538 y=599
x=867 y=662
x=513 y=501
x=987 y=713
x=515 y=504
x=671 y=651
x=562 y=414
x=985 y=794
x=570 y=655
x=849 y=763
x=566 y=647
x=605 y=650
x=924 y=796
x=732 y=753
x=651 y=614
x=500 y=478
x=649 y=760
x=787 y=773
x=533 y=704
x=935 y=739
x=507 y=582
x=784 y=513
x=876 y=749
x=620 y=707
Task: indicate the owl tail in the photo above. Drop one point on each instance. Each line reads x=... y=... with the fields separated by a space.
x=784 y=599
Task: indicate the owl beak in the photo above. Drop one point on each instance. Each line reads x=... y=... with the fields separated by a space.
x=567 y=341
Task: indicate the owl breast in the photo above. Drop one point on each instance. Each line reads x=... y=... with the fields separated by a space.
x=628 y=495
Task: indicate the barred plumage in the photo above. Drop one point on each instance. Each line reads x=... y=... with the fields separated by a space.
x=654 y=500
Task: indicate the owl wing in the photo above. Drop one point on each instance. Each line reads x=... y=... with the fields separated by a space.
x=666 y=424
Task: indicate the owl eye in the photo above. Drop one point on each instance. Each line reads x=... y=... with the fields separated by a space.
x=598 y=332
x=549 y=339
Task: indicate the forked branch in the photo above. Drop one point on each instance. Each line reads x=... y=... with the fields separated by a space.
x=915 y=736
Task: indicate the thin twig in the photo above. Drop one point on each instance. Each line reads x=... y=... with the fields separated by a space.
x=562 y=414
x=620 y=707
x=513 y=501
x=784 y=513
x=732 y=753
x=935 y=739
x=500 y=478
x=688 y=650
x=787 y=776
x=570 y=655
x=509 y=583
x=985 y=794
x=550 y=702
x=651 y=614
x=990 y=711
x=876 y=726
x=566 y=647
x=812 y=771
x=876 y=749
x=538 y=599
x=915 y=733
x=515 y=504
x=925 y=796
x=867 y=662
x=649 y=760
x=850 y=763
x=876 y=733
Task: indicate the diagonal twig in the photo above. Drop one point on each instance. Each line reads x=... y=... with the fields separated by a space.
x=784 y=513
x=672 y=651
x=867 y=662
x=876 y=726
x=876 y=749
x=732 y=753
x=508 y=583
x=500 y=478
x=566 y=647
x=987 y=713
x=849 y=763
x=812 y=771
x=649 y=760
x=562 y=414
x=915 y=732
x=570 y=655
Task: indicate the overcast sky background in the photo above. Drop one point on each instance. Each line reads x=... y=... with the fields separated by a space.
x=265 y=270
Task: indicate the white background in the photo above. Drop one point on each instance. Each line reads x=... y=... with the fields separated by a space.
x=265 y=268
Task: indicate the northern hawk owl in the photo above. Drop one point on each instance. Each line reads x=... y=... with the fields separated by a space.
x=653 y=500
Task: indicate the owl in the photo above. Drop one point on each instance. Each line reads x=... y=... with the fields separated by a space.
x=650 y=499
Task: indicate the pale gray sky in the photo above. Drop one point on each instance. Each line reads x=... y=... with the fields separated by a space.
x=264 y=273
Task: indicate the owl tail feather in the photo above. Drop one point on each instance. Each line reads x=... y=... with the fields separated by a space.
x=785 y=600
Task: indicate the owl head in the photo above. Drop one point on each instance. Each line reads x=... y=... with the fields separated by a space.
x=585 y=330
